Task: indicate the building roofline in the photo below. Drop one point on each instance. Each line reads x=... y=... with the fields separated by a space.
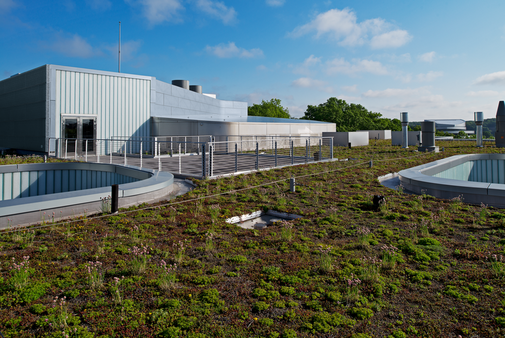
x=99 y=72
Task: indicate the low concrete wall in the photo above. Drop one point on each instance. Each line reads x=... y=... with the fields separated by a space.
x=422 y=179
x=415 y=138
x=342 y=139
x=73 y=203
x=379 y=134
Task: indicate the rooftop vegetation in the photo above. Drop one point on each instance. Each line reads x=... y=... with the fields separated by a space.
x=415 y=266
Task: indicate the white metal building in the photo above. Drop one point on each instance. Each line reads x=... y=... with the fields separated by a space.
x=66 y=102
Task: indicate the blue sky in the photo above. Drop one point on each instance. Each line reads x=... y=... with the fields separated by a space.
x=433 y=59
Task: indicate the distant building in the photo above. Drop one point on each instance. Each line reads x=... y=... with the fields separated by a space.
x=451 y=126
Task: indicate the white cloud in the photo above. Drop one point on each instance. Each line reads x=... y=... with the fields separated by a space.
x=337 y=65
x=6 y=6
x=217 y=10
x=427 y=57
x=309 y=62
x=429 y=106
x=99 y=5
x=405 y=78
x=352 y=89
x=297 y=111
x=393 y=39
x=395 y=92
x=261 y=67
x=430 y=76
x=230 y=50
x=483 y=93
x=159 y=11
x=306 y=82
x=275 y=3
x=72 y=46
x=401 y=58
x=342 y=26
x=258 y=96
x=493 y=78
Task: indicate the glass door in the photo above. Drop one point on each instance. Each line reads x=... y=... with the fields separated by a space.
x=70 y=136
x=78 y=134
x=88 y=134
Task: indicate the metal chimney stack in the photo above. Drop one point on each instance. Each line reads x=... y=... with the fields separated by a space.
x=500 y=126
x=428 y=130
x=404 y=118
x=479 y=120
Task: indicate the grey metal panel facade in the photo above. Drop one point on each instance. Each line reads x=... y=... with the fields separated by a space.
x=355 y=138
x=175 y=102
x=415 y=138
x=122 y=104
x=23 y=110
x=161 y=126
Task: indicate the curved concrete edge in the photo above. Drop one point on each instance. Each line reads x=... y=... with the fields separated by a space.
x=419 y=180
x=152 y=181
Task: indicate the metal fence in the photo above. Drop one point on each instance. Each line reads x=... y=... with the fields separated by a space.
x=197 y=156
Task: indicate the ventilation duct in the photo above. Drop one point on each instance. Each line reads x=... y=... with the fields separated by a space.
x=479 y=120
x=181 y=83
x=196 y=88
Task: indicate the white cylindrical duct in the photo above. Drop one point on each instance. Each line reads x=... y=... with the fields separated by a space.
x=479 y=120
x=404 y=118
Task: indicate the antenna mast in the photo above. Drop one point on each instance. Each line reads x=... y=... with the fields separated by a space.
x=119 y=52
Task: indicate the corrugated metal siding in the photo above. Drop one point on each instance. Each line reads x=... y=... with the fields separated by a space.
x=122 y=104
x=489 y=171
x=33 y=183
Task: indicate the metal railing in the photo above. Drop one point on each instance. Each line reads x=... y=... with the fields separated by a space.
x=198 y=156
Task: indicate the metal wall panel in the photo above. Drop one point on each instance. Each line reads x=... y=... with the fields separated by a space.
x=121 y=104
x=33 y=183
x=23 y=110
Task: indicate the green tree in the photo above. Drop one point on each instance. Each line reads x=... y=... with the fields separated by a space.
x=270 y=108
x=350 y=117
x=461 y=134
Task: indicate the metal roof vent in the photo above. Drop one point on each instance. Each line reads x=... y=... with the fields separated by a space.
x=196 y=88
x=181 y=83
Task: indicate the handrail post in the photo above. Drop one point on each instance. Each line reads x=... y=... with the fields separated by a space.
x=276 y=153
x=75 y=149
x=110 y=150
x=86 y=151
x=159 y=157
x=125 y=155
x=331 y=148
x=156 y=147
x=292 y=153
x=211 y=159
x=97 y=142
x=236 y=157
x=204 y=169
x=141 y=153
x=57 y=151
x=306 y=151
x=180 y=163
x=257 y=155
x=320 y=149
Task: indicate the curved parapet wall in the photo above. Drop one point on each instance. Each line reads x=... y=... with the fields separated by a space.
x=478 y=178
x=136 y=185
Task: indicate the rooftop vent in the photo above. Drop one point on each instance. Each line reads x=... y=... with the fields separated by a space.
x=181 y=83
x=196 y=88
